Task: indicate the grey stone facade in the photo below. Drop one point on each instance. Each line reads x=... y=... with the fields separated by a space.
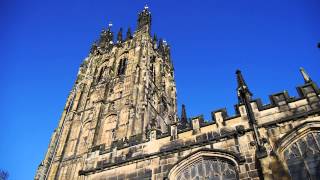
x=120 y=122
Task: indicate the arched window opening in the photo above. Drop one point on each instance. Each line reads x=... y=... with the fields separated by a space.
x=303 y=157
x=215 y=169
x=101 y=74
x=206 y=165
x=122 y=67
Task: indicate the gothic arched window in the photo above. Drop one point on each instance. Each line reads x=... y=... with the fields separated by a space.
x=101 y=74
x=209 y=169
x=122 y=67
x=106 y=127
x=206 y=165
x=303 y=157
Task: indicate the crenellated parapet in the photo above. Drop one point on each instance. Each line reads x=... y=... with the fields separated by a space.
x=120 y=122
x=224 y=131
x=279 y=102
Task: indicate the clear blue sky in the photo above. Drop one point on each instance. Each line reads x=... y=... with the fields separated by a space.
x=42 y=44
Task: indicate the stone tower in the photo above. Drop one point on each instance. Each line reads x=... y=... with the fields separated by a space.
x=124 y=88
x=120 y=123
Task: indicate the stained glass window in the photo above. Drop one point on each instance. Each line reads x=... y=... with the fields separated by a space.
x=209 y=169
x=303 y=157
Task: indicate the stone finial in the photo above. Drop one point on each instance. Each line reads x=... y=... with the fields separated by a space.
x=129 y=36
x=305 y=76
x=154 y=41
x=184 y=118
x=155 y=38
x=240 y=80
x=106 y=38
x=144 y=18
x=242 y=87
x=119 y=37
x=163 y=47
x=110 y=25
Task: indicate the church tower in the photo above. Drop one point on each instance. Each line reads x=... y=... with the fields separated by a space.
x=120 y=123
x=124 y=88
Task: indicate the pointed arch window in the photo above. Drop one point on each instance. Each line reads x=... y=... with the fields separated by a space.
x=303 y=157
x=206 y=164
x=101 y=72
x=299 y=150
x=122 y=67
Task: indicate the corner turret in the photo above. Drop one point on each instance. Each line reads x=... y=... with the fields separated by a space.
x=144 y=19
x=129 y=35
x=106 y=39
x=119 y=37
x=183 y=118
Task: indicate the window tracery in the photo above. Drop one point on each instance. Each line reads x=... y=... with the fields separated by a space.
x=206 y=165
x=303 y=157
x=122 y=67
x=209 y=169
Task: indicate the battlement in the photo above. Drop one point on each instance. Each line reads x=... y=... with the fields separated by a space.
x=199 y=135
x=276 y=100
x=107 y=43
x=281 y=113
x=120 y=120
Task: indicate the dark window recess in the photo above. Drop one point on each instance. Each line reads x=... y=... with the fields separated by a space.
x=152 y=59
x=122 y=67
x=153 y=73
x=164 y=106
x=101 y=74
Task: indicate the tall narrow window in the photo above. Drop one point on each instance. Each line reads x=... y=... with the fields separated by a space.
x=101 y=74
x=122 y=67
